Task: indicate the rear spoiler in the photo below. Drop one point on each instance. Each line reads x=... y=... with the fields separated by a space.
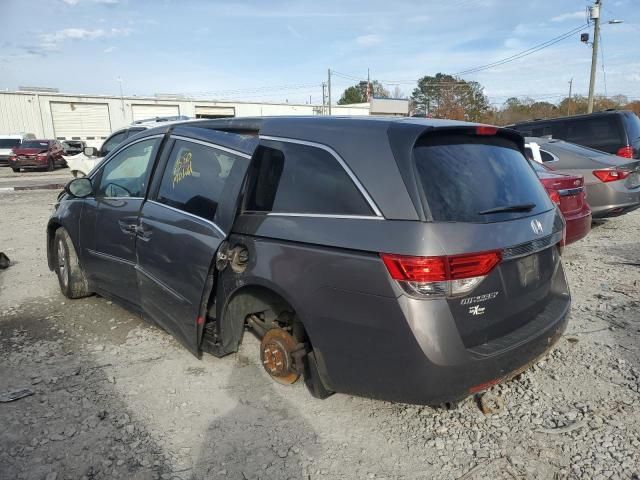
x=480 y=130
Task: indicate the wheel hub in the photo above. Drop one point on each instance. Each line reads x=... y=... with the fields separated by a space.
x=276 y=350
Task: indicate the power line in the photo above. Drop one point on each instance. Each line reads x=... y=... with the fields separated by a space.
x=604 y=72
x=525 y=53
x=516 y=56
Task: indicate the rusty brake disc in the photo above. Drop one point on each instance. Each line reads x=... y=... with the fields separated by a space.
x=276 y=349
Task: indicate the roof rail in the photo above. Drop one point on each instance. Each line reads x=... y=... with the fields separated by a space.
x=172 y=118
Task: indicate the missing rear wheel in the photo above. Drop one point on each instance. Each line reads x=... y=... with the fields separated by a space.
x=278 y=355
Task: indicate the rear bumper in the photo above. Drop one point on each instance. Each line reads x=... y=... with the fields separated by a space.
x=578 y=226
x=412 y=351
x=612 y=199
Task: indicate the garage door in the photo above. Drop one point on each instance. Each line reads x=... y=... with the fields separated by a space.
x=80 y=121
x=143 y=112
x=215 y=112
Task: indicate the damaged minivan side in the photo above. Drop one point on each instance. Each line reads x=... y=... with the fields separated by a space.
x=410 y=260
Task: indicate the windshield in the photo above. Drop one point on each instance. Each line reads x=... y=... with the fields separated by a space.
x=463 y=176
x=34 y=144
x=9 y=142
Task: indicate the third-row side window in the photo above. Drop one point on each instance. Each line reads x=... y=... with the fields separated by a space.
x=293 y=178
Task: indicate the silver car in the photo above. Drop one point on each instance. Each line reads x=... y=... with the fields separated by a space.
x=612 y=182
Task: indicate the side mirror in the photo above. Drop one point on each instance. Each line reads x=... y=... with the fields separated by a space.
x=90 y=151
x=79 y=187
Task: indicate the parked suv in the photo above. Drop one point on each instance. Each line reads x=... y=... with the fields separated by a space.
x=37 y=154
x=611 y=131
x=412 y=260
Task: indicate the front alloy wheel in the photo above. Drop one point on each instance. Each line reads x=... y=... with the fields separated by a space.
x=71 y=278
x=62 y=270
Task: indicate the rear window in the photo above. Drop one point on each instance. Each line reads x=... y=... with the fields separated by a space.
x=462 y=176
x=595 y=131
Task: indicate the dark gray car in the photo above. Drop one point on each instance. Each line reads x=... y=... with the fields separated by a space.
x=412 y=260
x=612 y=182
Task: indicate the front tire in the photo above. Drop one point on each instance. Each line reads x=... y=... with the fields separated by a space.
x=15 y=170
x=71 y=278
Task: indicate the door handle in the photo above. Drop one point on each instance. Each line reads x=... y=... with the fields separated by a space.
x=142 y=233
x=127 y=227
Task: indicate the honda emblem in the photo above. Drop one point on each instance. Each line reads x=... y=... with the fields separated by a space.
x=536 y=226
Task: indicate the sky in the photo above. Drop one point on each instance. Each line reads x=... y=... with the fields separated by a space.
x=276 y=51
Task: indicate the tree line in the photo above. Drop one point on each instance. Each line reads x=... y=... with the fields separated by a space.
x=447 y=96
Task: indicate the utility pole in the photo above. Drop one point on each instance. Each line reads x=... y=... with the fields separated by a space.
x=594 y=14
x=369 y=89
x=329 y=88
x=569 y=100
x=324 y=97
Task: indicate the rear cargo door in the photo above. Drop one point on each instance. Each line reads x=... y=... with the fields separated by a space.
x=189 y=214
x=481 y=194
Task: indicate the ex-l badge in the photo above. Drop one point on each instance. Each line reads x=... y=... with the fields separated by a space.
x=476 y=310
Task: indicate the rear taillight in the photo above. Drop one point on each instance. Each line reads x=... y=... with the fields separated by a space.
x=554 y=196
x=626 y=152
x=611 y=174
x=440 y=276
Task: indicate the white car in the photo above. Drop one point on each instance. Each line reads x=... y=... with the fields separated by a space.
x=80 y=165
x=9 y=142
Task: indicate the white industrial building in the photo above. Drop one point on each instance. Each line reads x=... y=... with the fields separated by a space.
x=92 y=118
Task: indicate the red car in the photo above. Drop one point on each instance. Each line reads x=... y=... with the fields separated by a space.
x=40 y=154
x=567 y=191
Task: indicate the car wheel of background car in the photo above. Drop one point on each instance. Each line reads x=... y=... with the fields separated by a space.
x=73 y=282
x=50 y=165
x=15 y=170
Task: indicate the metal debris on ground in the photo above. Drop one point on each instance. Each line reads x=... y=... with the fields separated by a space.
x=15 y=395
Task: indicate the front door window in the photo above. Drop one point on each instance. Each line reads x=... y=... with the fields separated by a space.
x=126 y=174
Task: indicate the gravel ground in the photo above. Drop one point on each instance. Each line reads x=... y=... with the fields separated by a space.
x=115 y=397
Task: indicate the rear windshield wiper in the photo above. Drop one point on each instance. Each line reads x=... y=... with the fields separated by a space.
x=524 y=207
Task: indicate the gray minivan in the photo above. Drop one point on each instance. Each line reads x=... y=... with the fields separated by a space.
x=413 y=260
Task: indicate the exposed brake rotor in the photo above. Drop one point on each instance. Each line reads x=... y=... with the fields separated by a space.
x=278 y=353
